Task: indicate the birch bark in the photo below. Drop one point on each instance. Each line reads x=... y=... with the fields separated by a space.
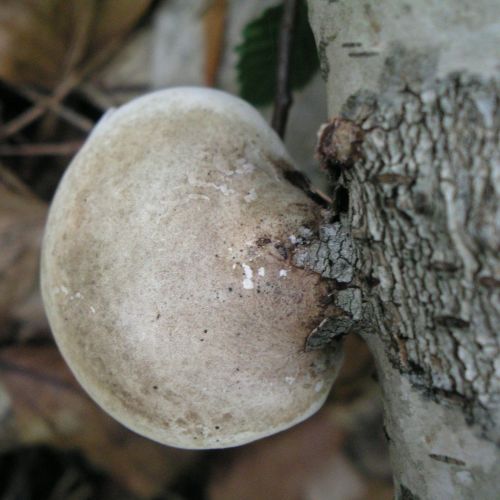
x=414 y=158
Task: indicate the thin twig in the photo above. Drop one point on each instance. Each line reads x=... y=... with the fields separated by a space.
x=30 y=115
x=22 y=120
x=41 y=149
x=283 y=96
x=61 y=91
x=38 y=376
x=124 y=89
x=67 y=114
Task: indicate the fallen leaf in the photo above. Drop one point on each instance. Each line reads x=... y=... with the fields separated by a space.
x=338 y=454
x=278 y=467
x=355 y=378
x=43 y=41
x=258 y=55
x=312 y=461
x=22 y=219
x=49 y=407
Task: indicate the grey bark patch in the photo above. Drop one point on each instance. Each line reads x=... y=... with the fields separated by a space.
x=406 y=494
x=324 y=63
x=331 y=255
x=329 y=330
x=408 y=66
x=350 y=301
x=359 y=106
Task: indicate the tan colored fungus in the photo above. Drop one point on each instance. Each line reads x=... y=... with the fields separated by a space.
x=166 y=278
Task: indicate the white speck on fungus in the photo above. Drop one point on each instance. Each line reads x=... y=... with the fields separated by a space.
x=246 y=168
x=247 y=282
x=251 y=196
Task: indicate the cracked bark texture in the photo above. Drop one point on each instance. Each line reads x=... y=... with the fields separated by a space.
x=413 y=154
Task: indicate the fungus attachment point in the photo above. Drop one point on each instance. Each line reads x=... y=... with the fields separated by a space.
x=165 y=278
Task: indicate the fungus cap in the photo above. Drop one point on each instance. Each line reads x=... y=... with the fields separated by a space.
x=166 y=274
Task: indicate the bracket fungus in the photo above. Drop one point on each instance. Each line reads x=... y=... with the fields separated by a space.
x=167 y=277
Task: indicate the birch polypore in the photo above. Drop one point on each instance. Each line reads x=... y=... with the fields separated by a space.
x=167 y=276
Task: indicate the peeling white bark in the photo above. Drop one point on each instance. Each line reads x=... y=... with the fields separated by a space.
x=415 y=152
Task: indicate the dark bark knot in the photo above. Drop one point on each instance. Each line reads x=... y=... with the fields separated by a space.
x=339 y=145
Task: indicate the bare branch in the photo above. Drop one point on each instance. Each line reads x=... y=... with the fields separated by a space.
x=283 y=96
x=41 y=149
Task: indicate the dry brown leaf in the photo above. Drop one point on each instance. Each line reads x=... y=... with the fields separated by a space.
x=113 y=19
x=214 y=21
x=355 y=378
x=279 y=467
x=42 y=41
x=311 y=461
x=49 y=407
x=338 y=454
x=22 y=219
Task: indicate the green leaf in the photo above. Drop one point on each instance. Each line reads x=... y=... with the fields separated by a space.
x=258 y=55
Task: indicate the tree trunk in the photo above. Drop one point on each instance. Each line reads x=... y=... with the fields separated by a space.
x=413 y=154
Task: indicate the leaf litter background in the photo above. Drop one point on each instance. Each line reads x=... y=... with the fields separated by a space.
x=62 y=64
